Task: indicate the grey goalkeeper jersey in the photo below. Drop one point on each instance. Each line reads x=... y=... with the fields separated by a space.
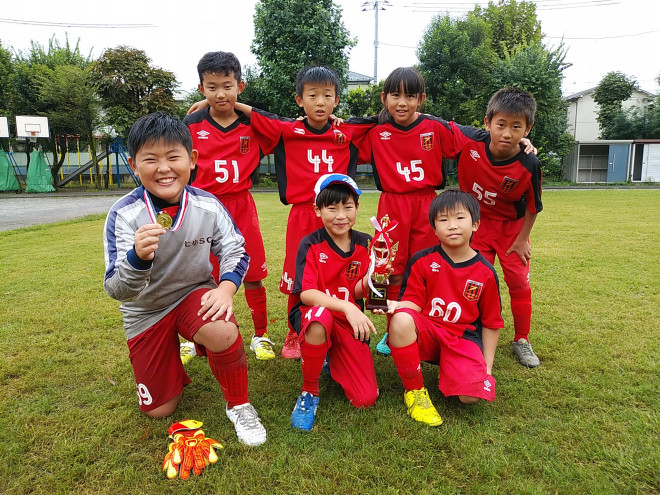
x=148 y=290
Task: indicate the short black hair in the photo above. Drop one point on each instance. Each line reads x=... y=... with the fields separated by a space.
x=156 y=126
x=336 y=193
x=513 y=101
x=316 y=74
x=407 y=78
x=449 y=201
x=223 y=63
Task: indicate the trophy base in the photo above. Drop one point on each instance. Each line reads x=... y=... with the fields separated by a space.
x=375 y=302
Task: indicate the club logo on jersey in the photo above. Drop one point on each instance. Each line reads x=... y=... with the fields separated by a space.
x=475 y=155
x=435 y=267
x=245 y=144
x=385 y=136
x=487 y=385
x=472 y=290
x=203 y=134
x=508 y=184
x=299 y=130
x=340 y=137
x=353 y=270
x=323 y=258
x=427 y=141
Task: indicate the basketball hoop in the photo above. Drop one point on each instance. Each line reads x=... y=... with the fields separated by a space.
x=33 y=136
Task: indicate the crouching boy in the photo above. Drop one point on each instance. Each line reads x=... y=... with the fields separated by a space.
x=449 y=312
x=157 y=242
x=331 y=268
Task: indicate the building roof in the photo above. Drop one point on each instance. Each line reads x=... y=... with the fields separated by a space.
x=355 y=77
x=587 y=91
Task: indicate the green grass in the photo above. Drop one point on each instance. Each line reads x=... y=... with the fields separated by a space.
x=585 y=421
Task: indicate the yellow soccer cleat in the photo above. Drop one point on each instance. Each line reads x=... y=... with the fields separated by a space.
x=262 y=347
x=420 y=408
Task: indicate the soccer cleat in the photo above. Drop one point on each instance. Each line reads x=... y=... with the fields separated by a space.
x=249 y=429
x=382 y=347
x=262 y=347
x=291 y=348
x=525 y=354
x=420 y=407
x=303 y=415
x=187 y=351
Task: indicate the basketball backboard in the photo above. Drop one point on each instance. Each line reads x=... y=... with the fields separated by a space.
x=28 y=126
x=4 y=127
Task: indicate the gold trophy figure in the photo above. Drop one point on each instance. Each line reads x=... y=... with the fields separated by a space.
x=382 y=255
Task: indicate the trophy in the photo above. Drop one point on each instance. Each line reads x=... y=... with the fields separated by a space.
x=382 y=253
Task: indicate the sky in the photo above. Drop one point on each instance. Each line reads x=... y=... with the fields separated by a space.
x=599 y=35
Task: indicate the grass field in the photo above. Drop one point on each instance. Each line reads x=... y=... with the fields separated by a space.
x=585 y=421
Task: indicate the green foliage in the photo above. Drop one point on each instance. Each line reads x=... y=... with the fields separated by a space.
x=612 y=90
x=455 y=56
x=362 y=102
x=256 y=89
x=6 y=70
x=291 y=34
x=192 y=97
x=539 y=71
x=513 y=25
x=129 y=86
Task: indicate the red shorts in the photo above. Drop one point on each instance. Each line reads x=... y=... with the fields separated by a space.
x=460 y=360
x=302 y=221
x=154 y=354
x=350 y=359
x=414 y=231
x=241 y=207
x=494 y=238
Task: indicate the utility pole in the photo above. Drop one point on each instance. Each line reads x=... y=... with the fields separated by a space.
x=376 y=5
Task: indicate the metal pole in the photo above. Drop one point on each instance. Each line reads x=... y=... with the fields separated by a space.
x=376 y=43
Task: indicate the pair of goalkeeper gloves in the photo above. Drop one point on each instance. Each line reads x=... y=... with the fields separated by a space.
x=188 y=450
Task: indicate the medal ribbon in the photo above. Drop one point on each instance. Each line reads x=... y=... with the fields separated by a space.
x=179 y=216
x=372 y=256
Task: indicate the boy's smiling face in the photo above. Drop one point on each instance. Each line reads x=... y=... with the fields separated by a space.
x=338 y=218
x=221 y=91
x=318 y=100
x=164 y=168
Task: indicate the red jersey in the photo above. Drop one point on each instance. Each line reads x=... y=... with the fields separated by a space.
x=303 y=154
x=505 y=189
x=457 y=296
x=321 y=265
x=229 y=157
x=408 y=159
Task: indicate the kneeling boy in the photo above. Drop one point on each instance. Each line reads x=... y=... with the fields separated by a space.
x=331 y=271
x=449 y=312
x=157 y=242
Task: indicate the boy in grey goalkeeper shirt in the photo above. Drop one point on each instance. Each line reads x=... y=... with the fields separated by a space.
x=157 y=242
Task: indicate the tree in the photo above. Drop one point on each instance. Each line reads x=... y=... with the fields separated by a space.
x=6 y=70
x=612 y=90
x=35 y=70
x=455 y=56
x=513 y=25
x=130 y=87
x=291 y=34
x=539 y=71
x=361 y=102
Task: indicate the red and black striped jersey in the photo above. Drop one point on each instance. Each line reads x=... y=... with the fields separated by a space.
x=321 y=265
x=408 y=159
x=458 y=296
x=303 y=153
x=229 y=157
x=505 y=189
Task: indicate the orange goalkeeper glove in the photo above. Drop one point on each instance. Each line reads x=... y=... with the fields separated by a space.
x=189 y=450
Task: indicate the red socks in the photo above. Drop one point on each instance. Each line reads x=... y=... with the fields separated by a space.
x=256 y=301
x=408 y=365
x=521 y=308
x=229 y=367
x=312 y=357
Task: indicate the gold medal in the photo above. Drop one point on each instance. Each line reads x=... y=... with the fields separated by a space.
x=164 y=220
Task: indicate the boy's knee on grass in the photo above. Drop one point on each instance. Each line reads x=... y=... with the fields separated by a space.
x=166 y=409
x=468 y=399
x=217 y=335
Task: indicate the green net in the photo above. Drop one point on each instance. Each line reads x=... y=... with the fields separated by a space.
x=39 y=178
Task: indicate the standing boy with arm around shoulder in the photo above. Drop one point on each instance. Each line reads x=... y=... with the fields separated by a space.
x=507 y=183
x=161 y=274
x=331 y=272
x=229 y=156
x=449 y=313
